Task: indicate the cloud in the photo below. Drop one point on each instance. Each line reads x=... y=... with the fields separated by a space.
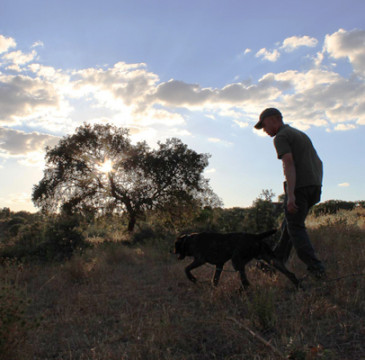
x=319 y=97
x=289 y=44
x=219 y=141
x=268 y=55
x=23 y=98
x=348 y=44
x=17 y=58
x=241 y=124
x=129 y=83
x=210 y=171
x=19 y=143
x=58 y=100
x=38 y=44
x=179 y=93
x=214 y=140
x=345 y=127
x=345 y=184
x=6 y=43
x=292 y=43
x=28 y=149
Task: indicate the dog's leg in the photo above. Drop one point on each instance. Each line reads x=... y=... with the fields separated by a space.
x=281 y=267
x=217 y=274
x=278 y=264
x=245 y=282
x=239 y=265
x=196 y=263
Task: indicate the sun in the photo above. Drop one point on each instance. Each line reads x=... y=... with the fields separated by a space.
x=106 y=166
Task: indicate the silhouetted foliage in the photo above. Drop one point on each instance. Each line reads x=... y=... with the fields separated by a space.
x=5 y=213
x=333 y=206
x=263 y=213
x=141 y=178
x=55 y=238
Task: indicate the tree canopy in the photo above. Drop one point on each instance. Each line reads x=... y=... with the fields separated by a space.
x=99 y=170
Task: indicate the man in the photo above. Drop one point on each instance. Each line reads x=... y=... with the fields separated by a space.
x=303 y=183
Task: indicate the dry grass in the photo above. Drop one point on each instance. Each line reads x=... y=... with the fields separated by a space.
x=120 y=303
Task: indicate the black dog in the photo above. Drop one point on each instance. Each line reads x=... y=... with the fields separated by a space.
x=216 y=249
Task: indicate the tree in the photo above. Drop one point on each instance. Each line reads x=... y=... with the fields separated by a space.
x=262 y=215
x=99 y=170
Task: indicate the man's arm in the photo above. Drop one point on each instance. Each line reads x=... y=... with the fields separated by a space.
x=290 y=176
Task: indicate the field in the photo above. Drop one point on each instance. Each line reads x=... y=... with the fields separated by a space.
x=120 y=302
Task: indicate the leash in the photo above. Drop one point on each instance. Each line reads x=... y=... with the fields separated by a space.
x=304 y=278
x=338 y=278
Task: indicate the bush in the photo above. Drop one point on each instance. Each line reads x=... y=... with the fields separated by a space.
x=63 y=237
x=58 y=239
x=262 y=308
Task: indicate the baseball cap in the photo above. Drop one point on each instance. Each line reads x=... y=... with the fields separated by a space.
x=266 y=113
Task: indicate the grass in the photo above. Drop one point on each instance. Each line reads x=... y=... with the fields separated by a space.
x=117 y=302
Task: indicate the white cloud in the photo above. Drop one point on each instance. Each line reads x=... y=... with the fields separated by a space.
x=345 y=127
x=26 y=98
x=241 y=124
x=247 y=51
x=130 y=83
x=20 y=143
x=219 y=141
x=348 y=44
x=19 y=58
x=294 y=42
x=318 y=59
x=158 y=116
x=28 y=149
x=214 y=140
x=130 y=95
x=345 y=184
x=6 y=43
x=268 y=55
x=318 y=97
x=210 y=171
x=38 y=44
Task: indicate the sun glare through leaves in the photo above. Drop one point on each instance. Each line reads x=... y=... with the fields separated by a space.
x=106 y=166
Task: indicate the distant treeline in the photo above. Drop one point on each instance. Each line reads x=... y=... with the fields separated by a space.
x=56 y=237
x=333 y=206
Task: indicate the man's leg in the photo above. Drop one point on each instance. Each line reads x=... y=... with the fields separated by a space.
x=298 y=232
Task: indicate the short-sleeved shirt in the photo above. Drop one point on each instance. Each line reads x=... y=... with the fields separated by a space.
x=308 y=165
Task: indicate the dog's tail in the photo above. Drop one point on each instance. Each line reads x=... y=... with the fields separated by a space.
x=265 y=234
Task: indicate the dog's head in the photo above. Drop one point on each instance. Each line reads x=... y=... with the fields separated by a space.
x=264 y=249
x=180 y=246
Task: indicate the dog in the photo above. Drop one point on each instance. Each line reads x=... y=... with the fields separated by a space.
x=218 y=248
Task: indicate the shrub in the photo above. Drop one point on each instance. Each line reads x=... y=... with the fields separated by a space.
x=262 y=308
x=58 y=239
x=63 y=236
x=144 y=234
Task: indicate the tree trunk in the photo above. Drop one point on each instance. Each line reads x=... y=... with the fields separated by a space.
x=131 y=224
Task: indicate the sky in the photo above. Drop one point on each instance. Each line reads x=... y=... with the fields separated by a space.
x=198 y=70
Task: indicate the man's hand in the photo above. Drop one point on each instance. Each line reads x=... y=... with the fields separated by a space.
x=291 y=205
x=290 y=176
